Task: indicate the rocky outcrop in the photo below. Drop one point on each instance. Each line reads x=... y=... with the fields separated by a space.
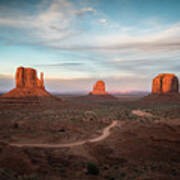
x=28 y=84
x=165 y=83
x=99 y=88
x=27 y=78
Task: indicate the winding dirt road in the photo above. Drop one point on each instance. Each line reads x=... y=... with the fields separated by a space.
x=106 y=132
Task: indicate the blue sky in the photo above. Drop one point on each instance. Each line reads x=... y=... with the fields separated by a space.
x=76 y=42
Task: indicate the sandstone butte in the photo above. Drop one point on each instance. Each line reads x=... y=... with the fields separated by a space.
x=99 y=88
x=27 y=84
x=165 y=83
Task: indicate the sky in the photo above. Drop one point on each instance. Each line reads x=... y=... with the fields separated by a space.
x=126 y=43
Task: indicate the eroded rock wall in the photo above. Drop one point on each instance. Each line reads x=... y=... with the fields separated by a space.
x=165 y=83
x=27 y=78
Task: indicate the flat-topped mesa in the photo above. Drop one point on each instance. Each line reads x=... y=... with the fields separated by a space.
x=165 y=83
x=27 y=78
x=99 y=88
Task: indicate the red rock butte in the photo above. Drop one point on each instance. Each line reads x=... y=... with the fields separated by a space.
x=27 y=78
x=99 y=88
x=28 y=84
x=165 y=83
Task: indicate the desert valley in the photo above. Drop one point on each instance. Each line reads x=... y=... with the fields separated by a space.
x=89 y=89
x=97 y=136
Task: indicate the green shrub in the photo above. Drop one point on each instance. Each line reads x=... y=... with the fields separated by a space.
x=110 y=178
x=92 y=169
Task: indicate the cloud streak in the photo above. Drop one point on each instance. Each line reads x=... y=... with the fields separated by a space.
x=59 y=65
x=85 y=11
x=102 y=21
x=163 y=41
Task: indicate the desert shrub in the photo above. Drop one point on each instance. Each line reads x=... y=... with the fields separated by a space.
x=110 y=178
x=90 y=115
x=153 y=167
x=92 y=169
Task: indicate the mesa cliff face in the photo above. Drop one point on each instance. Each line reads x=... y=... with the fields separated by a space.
x=27 y=84
x=165 y=83
x=27 y=78
x=99 y=88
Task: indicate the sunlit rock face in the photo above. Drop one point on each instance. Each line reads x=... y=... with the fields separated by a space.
x=27 y=78
x=99 y=88
x=27 y=84
x=165 y=83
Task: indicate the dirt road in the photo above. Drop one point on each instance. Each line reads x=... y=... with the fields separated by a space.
x=141 y=113
x=105 y=133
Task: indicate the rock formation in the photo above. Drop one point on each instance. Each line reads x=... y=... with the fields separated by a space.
x=99 y=88
x=165 y=83
x=28 y=84
x=27 y=78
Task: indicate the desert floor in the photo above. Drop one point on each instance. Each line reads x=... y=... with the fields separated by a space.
x=87 y=137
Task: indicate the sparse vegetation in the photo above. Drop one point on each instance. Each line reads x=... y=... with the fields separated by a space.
x=148 y=145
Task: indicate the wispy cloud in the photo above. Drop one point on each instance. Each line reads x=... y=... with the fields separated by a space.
x=84 y=11
x=102 y=21
x=54 y=25
x=162 y=41
x=54 y=21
